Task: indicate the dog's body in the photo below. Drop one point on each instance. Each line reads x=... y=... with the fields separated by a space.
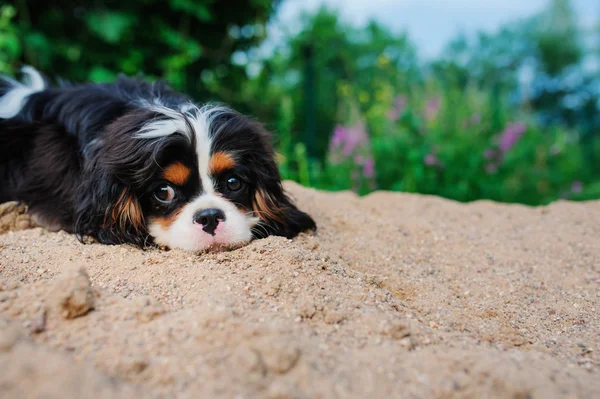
x=134 y=162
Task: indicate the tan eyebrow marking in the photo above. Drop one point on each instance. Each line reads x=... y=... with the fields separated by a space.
x=219 y=162
x=177 y=173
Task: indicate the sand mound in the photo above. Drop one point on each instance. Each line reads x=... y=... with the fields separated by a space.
x=397 y=294
x=14 y=217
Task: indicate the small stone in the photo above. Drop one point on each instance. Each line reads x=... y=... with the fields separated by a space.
x=148 y=310
x=150 y=313
x=334 y=317
x=307 y=309
x=396 y=329
x=407 y=342
x=374 y=280
x=73 y=294
x=38 y=324
x=278 y=354
x=132 y=365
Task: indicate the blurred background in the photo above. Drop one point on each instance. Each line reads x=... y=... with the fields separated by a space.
x=466 y=99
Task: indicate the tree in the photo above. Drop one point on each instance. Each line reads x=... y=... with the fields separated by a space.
x=328 y=55
x=557 y=38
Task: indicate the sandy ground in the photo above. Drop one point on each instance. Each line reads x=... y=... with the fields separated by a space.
x=396 y=295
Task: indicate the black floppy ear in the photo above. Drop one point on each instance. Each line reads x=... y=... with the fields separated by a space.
x=108 y=205
x=278 y=215
x=109 y=212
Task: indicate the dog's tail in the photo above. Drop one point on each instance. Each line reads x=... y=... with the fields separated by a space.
x=14 y=94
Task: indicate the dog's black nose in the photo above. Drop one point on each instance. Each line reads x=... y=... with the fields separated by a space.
x=209 y=219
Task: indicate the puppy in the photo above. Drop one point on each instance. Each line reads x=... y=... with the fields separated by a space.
x=135 y=162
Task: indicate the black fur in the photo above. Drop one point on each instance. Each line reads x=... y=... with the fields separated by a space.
x=251 y=142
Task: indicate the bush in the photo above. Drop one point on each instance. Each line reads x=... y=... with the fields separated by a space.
x=188 y=42
x=459 y=129
x=445 y=145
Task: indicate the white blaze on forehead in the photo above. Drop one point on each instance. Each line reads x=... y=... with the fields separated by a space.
x=191 y=121
x=14 y=99
x=203 y=145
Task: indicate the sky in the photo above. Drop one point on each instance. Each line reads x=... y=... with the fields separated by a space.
x=430 y=23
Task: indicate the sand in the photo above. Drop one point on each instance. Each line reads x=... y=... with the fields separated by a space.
x=396 y=295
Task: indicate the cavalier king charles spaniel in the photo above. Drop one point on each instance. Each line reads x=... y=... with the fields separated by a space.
x=136 y=162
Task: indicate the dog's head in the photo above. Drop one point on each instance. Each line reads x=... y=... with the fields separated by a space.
x=184 y=177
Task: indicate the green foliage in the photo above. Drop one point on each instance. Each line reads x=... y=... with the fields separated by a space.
x=450 y=130
x=110 y=26
x=558 y=25
x=539 y=167
x=184 y=41
x=456 y=154
x=334 y=52
x=10 y=47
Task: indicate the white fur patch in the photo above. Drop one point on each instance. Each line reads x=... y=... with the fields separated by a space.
x=188 y=120
x=14 y=100
x=185 y=234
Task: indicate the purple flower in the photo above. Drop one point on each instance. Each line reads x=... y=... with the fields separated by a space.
x=475 y=119
x=356 y=137
x=392 y=115
x=398 y=108
x=491 y=168
x=511 y=135
x=577 y=186
x=369 y=168
x=400 y=102
x=349 y=143
x=490 y=153
x=339 y=136
x=348 y=139
x=432 y=108
x=431 y=160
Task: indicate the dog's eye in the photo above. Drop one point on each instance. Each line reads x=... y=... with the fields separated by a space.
x=164 y=194
x=234 y=184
